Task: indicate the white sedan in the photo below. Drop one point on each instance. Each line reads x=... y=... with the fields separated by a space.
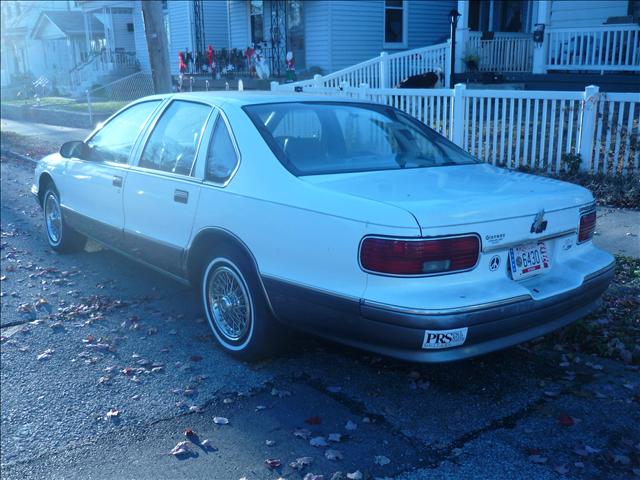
x=346 y=219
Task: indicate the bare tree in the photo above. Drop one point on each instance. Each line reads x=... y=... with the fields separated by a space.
x=157 y=45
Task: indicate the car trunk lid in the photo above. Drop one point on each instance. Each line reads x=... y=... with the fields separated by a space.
x=451 y=196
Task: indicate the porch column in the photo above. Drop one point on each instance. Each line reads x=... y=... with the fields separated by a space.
x=462 y=34
x=540 y=49
x=87 y=31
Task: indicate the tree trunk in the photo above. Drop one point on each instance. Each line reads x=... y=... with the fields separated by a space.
x=157 y=45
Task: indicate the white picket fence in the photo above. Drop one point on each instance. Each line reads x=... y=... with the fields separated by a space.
x=516 y=128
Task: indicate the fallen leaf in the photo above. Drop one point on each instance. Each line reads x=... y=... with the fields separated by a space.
x=182 y=448
x=300 y=463
x=269 y=443
x=112 y=413
x=333 y=455
x=561 y=469
x=189 y=432
x=622 y=459
x=220 y=420
x=313 y=420
x=351 y=425
x=280 y=393
x=357 y=475
x=312 y=476
x=381 y=460
x=538 y=459
x=46 y=354
x=302 y=433
x=334 y=389
x=334 y=437
x=565 y=420
x=273 y=462
x=318 y=442
x=206 y=444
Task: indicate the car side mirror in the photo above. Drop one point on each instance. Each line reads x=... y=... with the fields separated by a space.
x=75 y=149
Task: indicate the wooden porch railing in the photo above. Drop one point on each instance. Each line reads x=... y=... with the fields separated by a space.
x=609 y=47
x=505 y=52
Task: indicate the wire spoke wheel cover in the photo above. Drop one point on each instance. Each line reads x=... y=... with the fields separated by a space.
x=229 y=304
x=53 y=219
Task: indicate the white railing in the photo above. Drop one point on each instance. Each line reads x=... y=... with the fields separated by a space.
x=405 y=64
x=524 y=129
x=100 y=63
x=610 y=47
x=384 y=70
x=505 y=52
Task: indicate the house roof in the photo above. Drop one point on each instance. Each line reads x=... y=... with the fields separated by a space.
x=68 y=22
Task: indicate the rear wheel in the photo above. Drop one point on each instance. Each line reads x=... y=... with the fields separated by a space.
x=60 y=236
x=236 y=307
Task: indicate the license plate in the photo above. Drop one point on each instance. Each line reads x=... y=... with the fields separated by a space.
x=528 y=259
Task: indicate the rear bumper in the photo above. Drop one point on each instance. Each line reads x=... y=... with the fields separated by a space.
x=398 y=333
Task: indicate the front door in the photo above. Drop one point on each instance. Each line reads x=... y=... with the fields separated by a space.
x=161 y=194
x=92 y=187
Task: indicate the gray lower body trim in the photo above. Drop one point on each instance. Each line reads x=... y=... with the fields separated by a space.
x=159 y=256
x=400 y=334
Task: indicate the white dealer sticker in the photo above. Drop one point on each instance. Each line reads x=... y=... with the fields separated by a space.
x=444 y=338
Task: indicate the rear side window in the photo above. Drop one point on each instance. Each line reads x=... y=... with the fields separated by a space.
x=114 y=141
x=173 y=143
x=221 y=157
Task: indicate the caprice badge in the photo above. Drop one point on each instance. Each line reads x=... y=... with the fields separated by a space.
x=539 y=224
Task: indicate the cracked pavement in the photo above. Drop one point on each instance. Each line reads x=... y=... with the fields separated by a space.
x=86 y=333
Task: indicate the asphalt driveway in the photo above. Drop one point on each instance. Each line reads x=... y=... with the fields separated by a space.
x=106 y=366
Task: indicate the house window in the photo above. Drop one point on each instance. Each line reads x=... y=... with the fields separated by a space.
x=256 y=12
x=395 y=12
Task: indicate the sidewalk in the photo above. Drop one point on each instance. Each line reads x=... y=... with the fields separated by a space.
x=47 y=133
x=618 y=231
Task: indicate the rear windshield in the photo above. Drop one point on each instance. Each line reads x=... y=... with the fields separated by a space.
x=316 y=138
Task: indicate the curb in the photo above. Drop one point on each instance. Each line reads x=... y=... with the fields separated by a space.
x=18 y=155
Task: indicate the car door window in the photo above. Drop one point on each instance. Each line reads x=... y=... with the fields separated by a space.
x=221 y=157
x=114 y=141
x=173 y=143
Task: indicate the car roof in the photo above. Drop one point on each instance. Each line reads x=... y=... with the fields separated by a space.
x=240 y=99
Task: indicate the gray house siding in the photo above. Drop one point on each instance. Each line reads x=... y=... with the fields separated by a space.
x=357 y=31
x=142 y=52
x=429 y=22
x=123 y=38
x=578 y=13
x=338 y=33
x=317 y=35
x=179 y=12
x=239 y=24
x=216 y=31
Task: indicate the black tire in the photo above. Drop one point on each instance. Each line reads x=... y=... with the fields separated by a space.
x=240 y=319
x=61 y=237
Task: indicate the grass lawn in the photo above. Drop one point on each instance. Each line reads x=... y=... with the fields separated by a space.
x=64 y=103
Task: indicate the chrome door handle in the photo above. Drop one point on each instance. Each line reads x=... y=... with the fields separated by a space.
x=117 y=181
x=181 y=196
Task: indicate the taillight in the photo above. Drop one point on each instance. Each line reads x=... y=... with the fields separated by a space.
x=587 y=226
x=419 y=257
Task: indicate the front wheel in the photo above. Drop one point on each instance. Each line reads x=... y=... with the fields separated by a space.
x=60 y=236
x=236 y=307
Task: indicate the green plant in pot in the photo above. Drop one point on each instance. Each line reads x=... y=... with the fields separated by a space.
x=471 y=61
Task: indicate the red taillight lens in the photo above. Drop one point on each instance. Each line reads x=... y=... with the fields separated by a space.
x=419 y=257
x=587 y=226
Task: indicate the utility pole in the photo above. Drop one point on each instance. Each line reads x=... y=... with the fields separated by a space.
x=157 y=45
